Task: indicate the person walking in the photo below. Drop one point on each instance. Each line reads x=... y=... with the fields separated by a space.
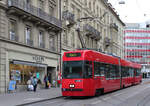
x=34 y=83
x=46 y=81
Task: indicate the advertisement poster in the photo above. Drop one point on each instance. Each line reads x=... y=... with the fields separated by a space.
x=15 y=75
x=38 y=75
x=12 y=85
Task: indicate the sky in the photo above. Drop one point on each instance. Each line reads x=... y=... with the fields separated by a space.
x=133 y=11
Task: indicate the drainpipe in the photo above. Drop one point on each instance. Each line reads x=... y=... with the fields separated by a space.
x=60 y=38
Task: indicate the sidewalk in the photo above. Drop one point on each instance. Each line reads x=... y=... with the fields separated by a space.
x=13 y=99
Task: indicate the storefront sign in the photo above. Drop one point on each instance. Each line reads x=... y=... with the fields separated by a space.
x=38 y=59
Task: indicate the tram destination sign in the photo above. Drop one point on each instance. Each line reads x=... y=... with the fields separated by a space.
x=73 y=54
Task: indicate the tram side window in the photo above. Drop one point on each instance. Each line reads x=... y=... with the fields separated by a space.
x=107 y=72
x=96 y=69
x=127 y=71
x=88 y=69
x=123 y=72
x=112 y=71
x=131 y=72
x=137 y=72
x=102 y=69
x=117 y=71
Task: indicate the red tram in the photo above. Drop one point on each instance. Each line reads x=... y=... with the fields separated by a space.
x=90 y=73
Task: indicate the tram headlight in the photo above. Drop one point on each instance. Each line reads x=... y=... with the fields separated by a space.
x=71 y=86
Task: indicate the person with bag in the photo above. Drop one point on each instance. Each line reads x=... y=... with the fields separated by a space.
x=34 y=83
x=29 y=85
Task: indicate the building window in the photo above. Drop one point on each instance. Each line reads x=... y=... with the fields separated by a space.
x=73 y=40
x=41 y=39
x=90 y=6
x=97 y=11
x=85 y=1
x=94 y=6
x=29 y=41
x=51 y=10
x=41 y=4
x=52 y=43
x=65 y=38
x=27 y=1
x=78 y=13
x=12 y=30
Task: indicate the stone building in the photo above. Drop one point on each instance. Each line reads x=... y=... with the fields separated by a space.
x=103 y=32
x=29 y=40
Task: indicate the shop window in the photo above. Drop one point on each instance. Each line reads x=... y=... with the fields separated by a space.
x=22 y=73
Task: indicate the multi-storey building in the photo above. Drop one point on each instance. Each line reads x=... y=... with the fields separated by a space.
x=104 y=32
x=137 y=46
x=29 y=40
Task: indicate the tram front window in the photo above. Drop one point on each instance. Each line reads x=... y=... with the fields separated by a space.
x=72 y=69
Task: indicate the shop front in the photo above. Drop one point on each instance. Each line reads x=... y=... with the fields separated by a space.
x=21 y=72
x=22 y=66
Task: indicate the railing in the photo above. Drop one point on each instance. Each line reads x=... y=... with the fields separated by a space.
x=42 y=45
x=29 y=42
x=92 y=31
x=114 y=25
x=52 y=48
x=34 y=11
x=107 y=41
x=13 y=37
x=68 y=16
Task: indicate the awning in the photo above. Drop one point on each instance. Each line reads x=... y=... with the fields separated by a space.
x=29 y=63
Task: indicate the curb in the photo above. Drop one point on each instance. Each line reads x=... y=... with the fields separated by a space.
x=39 y=101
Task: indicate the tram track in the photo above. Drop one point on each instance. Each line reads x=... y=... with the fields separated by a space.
x=39 y=101
x=144 y=101
x=119 y=97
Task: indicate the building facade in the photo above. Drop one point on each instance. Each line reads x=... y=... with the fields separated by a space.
x=105 y=32
x=29 y=41
x=137 y=46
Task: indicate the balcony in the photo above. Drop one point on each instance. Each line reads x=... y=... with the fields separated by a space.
x=107 y=41
x=114 y=25
x=92 y=32
x=34 y=14
x=68 y=16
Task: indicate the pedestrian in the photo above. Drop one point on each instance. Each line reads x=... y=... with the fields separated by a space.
x=46 y=81
x=54 y=83
x=34 y=83
x=29 y=85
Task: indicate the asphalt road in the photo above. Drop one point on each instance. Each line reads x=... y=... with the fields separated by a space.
x=138 y=95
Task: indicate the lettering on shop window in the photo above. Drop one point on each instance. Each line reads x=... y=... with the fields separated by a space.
x=38 y=59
